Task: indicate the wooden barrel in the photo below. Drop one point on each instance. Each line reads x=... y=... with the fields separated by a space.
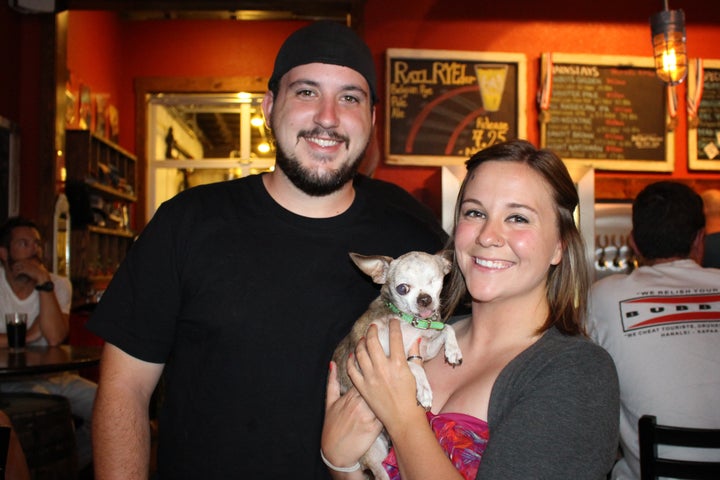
x=44 y=426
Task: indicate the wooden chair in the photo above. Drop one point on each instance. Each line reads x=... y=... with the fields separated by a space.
x=652 y=466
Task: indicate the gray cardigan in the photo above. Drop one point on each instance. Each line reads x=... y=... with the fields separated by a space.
x=554 y=413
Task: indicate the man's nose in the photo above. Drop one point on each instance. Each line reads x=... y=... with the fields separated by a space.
x=326 y=115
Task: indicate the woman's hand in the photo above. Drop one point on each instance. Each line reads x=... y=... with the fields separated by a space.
x=350 y=426
x=386 y=382
x=388 y=386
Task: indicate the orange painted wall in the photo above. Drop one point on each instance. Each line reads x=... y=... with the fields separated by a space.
x=223 y=48
x=94 y=54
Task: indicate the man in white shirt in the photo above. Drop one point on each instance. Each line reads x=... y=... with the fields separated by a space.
x=661 y=323
x=27 y=286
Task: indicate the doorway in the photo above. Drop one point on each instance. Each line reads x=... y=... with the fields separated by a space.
x=191 y=131
x=200 y=138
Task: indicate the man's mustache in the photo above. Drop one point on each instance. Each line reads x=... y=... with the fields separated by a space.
x=322 y=133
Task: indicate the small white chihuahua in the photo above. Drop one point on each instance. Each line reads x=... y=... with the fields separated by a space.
x=411 y=287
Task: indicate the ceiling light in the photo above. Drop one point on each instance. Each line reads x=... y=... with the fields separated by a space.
x=668 y=39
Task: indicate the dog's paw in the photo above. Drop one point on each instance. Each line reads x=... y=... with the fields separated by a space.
x=424 y=397
x=379 y=472
x=373 y=458
x=424 y=392
x=453 y=355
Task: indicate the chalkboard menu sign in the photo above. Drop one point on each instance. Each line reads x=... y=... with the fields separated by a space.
x=605 y=112
x=443 y=106
x=704 y=114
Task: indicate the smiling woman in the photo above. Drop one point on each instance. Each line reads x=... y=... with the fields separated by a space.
x=506 y=230
x=520 y=256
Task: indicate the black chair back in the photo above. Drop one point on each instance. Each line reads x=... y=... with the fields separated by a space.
x=652 y=466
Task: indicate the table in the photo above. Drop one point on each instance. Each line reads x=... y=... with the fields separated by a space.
x=36 y=360
x=43 y=422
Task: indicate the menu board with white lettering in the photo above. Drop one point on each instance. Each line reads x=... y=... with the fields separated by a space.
x=704 y=115
x=443 y=106
x=605 y=112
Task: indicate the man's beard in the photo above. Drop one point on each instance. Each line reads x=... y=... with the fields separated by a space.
x=311 y=182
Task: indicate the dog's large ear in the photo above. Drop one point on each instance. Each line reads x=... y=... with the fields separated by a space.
x=376 y=266
x=447 y=259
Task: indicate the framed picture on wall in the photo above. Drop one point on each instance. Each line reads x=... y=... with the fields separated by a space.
x=703 y=105
x=442 y=106
x=607 y=112
x=85 y=108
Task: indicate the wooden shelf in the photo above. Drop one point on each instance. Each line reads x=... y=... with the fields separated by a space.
x=98 y=162
x=111 y=192
x=111 y=231
x=101 y=169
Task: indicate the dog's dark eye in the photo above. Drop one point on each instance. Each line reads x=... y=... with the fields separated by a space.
x=403 y=289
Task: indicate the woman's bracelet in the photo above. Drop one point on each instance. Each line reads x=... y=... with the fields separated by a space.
x=339 y=469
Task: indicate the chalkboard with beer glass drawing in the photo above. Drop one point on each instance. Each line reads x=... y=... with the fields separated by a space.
x=442 y=106
x=608 y=112
x=703 y=106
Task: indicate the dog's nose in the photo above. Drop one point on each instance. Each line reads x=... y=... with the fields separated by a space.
x=424 y=300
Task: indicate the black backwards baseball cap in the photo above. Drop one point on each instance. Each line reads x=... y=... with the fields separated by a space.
x=325 y=42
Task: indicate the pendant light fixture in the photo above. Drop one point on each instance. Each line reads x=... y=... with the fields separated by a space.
x=668 y=39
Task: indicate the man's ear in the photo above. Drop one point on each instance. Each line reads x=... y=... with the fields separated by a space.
x=267 y=105
x=697 y=249
x=638 y=254
x=633 y=245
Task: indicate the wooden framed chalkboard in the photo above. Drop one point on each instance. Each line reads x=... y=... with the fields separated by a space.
x=703 y=103
x=443 y=106
x=608 y=112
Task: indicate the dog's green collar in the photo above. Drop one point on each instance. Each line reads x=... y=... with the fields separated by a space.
x=421 y=323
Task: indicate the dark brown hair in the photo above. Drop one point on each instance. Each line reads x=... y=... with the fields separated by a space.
x=666 y=218
x=11 y=224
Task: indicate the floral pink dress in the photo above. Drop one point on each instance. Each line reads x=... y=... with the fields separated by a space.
x=463 y=438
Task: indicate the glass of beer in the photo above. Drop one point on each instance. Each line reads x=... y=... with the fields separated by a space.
x=16 y=328
x=491 y=81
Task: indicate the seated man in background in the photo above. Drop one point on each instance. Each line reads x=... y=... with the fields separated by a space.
x=661 y=323
x=27 y=286
x=711 y=199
